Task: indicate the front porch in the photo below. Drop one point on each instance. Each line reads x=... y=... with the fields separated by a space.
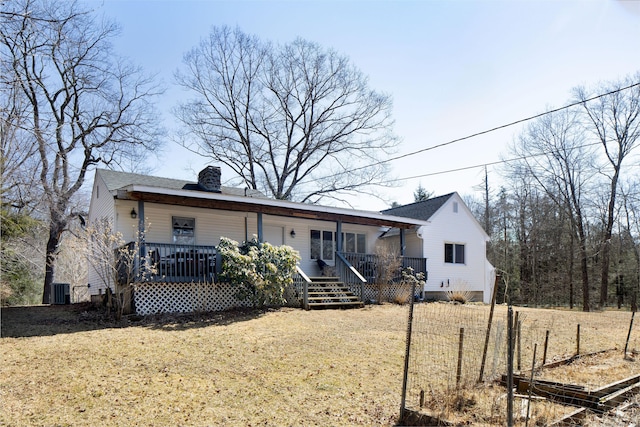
x=355 y=282
x=357 y=274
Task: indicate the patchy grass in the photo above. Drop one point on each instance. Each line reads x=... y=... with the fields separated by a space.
x=283 y=367
x=67 y=366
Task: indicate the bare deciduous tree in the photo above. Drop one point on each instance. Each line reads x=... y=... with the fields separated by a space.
x=630 y=231
x=553 y=153
x=84 y=105
x=18 y=157
x=115 y=263
x=298 y=122
x=615 y=121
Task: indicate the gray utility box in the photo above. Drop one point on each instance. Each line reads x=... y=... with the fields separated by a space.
x=60 y=293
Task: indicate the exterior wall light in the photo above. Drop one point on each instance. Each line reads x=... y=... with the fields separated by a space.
x=134 y=214
x=293 y=233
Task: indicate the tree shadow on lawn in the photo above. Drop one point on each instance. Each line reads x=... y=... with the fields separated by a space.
x=49 y=320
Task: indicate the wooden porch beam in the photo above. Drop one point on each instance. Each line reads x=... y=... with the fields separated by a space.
x=255 y=208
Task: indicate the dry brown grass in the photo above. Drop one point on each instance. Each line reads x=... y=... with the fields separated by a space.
x=284 y=367
x=487 y=405
x=280 y=367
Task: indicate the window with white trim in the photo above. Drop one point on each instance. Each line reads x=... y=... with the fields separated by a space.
x=454 y=253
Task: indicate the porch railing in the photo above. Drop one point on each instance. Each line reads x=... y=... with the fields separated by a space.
x=350 y=276
x=419 y=265
x=167 y=262
x=301 y=282
x=368 y=265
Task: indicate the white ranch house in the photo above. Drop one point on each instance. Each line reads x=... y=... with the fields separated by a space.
x=182 y=222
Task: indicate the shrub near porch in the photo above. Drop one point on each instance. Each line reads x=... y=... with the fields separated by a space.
x=260 y=272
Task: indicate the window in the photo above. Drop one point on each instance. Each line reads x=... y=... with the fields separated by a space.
x=183 y=230
x=354 y=242
x=453 y=253
x=327 y=245
x=323 y=244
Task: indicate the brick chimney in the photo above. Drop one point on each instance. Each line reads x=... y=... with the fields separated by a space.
x=209 y=179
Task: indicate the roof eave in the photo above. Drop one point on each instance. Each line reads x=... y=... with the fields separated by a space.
x=262 y=205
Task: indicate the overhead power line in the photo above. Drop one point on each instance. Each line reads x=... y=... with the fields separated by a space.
x=497 y=162
x=484 y=132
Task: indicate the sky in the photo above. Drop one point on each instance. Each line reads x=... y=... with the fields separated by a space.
x=453 y=68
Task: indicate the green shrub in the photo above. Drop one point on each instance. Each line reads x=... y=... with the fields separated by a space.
x=259 y=271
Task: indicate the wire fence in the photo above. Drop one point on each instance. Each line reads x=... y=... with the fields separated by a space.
x=564 y=364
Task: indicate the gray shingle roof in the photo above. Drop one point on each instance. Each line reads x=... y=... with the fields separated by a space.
x=115 y=180
x=420 y=210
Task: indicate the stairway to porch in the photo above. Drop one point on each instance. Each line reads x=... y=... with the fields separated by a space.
x=330 y=292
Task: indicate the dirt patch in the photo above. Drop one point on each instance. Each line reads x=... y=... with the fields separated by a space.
x=42 y=320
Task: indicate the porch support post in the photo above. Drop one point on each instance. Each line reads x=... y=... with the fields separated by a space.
x=141 y=243
x=260 y=233
x=402 y=242
x=339 y=236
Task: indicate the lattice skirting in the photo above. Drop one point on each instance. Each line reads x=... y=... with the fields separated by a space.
x=156 y=298
x=394 y=292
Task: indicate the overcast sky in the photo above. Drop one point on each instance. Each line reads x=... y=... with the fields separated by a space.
x=453 y=68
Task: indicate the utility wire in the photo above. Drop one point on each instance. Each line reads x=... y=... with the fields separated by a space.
x=497 y=162
x=444 y=144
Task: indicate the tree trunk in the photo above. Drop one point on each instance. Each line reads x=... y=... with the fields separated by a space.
x=604 y=278
x=52 y=244
x=634 y=291
x=606 y=239
x=585 y=270
x=55 y=231
x=572 y=254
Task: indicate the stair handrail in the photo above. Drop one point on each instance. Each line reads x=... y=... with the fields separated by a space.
x=354 y=271
x=306 y=281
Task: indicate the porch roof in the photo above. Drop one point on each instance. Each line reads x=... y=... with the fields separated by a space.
x=201 y=199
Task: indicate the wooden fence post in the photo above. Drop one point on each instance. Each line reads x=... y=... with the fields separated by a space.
x=533 y=368
x=518 y=342
x=460 y=345
x=510 y=367
x=488 y=334
x=403 y=398
x=626 y=344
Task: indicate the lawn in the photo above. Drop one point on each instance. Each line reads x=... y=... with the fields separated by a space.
x=281 y=367
x=65 y=366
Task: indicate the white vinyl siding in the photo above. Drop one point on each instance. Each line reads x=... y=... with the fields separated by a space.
x=458 y=229
x=210 y=225
x=99 y=208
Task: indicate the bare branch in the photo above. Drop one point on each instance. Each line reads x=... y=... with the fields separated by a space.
x=293 y=120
